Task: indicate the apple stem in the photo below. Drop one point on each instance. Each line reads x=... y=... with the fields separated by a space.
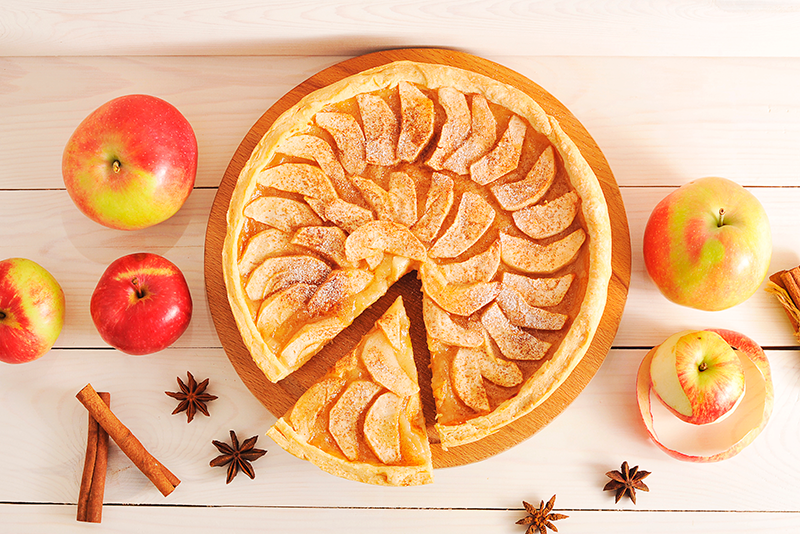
x=721 y=217
x=116 y=166
x=2 y=315
x=702 y=367
x=139 y=290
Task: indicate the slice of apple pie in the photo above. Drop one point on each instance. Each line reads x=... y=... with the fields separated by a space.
x=363 y=419
x=413 y=166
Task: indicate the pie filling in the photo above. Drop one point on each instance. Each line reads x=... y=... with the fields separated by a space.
x=428 y=168
x=363 y=419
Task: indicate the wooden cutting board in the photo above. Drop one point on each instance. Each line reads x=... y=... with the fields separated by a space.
x=278 y=398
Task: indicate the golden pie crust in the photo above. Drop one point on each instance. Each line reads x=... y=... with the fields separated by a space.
x=363 y=420
x=414 y=166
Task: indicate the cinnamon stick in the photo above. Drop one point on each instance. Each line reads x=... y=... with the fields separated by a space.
x=791 y=283
x=785 y=285
x=93 y=481
x=159 y=475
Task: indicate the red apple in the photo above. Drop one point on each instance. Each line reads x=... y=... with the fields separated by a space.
x=698 y=376
x=723 y=439
x=131 y=163
x=707 y=244
x=31 y=310
x=141 y=304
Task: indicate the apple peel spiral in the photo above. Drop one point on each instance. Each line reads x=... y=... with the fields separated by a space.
x=730 y=435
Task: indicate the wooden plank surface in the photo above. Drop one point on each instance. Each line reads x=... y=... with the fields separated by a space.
x=20 y=518
x=353 y=27
x=44 y=427
x=659 y=121
x=77 y=251
x=669 y=93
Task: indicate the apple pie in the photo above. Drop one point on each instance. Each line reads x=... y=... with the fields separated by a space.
x=363 y=419
x=426 y=167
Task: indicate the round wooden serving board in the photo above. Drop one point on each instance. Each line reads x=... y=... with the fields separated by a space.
x=278 y=398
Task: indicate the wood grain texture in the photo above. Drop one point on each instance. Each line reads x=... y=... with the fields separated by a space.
x=46 y=227
x=659 y=121
x=22 y=518
x=352 y=27
x=278 y=398
x=44 y=429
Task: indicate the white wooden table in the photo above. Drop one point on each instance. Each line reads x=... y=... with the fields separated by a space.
x=670 y=91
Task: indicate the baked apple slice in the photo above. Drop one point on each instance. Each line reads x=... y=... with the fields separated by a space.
x=351 y=425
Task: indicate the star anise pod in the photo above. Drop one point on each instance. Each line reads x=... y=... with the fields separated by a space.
x=237 y=457
x=540 y=518
x=192 y=396
x=626 y=481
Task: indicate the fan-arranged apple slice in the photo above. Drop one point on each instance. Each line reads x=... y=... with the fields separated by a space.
x=349 y=139
x=456 y=128
x=468 y=369
x=449 y=330
x=261 y=246
x=328 y=241
x=398 y=204
x=517 y=195
x=349 y=217
x=310 y=406
x=280 y=272
x=522 y=314
x=463 y=300
x=333 y=292
x=438 y=202
x=482 y=136
x=467 y=380
x=381 y=426
x=514 y=342
x=539 y=291
x=545 y=220
x=345 y=415
x=473 y=218
x=363 y=419
x=381 y=130
x=317 y=149
x=380 y=359
x=479 y=268
x=531 y=257
x=417 y=121
x=385 y=236
x=403 y=193
x=495 y=369
x=281 y=306
x=301 y=178
x=309 y=339
x=284 y=214
x=504 y=157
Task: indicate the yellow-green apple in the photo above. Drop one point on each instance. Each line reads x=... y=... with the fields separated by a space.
x=708 y=244
x=141 y=303
x=31 y=310
x=131 y=163
x=698 y=376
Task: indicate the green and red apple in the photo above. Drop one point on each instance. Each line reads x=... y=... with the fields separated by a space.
x=698 y=381
x=31 y=310
x=131 y=163
x=698 y=376
x=141 y=304
x=708 y=244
